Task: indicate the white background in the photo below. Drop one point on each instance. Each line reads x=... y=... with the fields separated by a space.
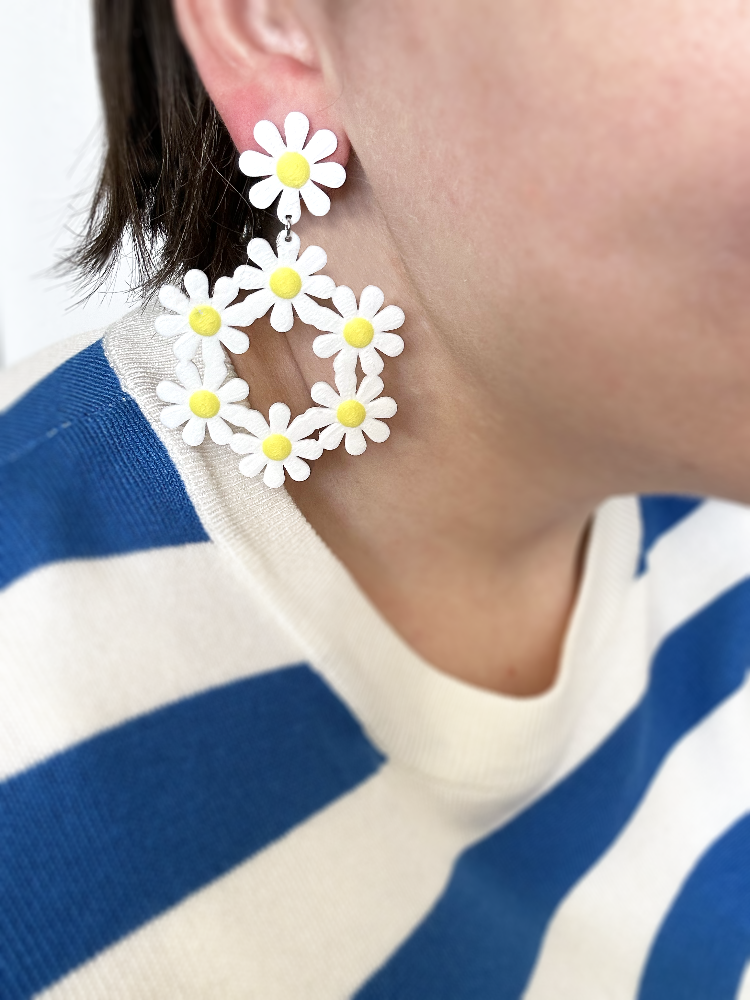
x=50 y=124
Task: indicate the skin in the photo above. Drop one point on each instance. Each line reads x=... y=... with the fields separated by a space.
x=557 y=193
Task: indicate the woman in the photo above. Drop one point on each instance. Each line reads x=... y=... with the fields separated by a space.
x=444 y=719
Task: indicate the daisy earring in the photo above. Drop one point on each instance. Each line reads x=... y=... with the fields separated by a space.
x=352 y=412
x=281 y=281
x=203 y=321
x=359 y=332
x=292 y=169
x=201 y=403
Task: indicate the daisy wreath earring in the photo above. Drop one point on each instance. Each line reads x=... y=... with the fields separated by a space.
x=286 y=282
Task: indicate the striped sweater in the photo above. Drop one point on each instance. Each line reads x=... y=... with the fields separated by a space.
x=223 y=775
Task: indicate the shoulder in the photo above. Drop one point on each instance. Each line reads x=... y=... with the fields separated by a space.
x=82 y=472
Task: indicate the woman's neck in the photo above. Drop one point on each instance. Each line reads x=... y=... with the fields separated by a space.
x=449 y=527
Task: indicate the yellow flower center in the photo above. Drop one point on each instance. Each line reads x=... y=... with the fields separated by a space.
x=358 y=332
x=277 y=447
x=204 y=404
x=350 y=413
x=204 y=320
x=293 y=170
x=285 y=282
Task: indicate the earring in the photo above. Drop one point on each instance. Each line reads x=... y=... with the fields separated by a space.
x=286 y=283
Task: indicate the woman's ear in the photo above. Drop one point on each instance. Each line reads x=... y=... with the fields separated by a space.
x=258 y=59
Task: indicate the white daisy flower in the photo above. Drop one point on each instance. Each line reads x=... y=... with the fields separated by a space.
x=203 y=403
x=283 y=281
x=359 y=332
x=277 y=446
x=203 y=320
x=292 y=170
x=353 y=413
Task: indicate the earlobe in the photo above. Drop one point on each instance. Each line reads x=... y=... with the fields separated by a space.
x=258 y=60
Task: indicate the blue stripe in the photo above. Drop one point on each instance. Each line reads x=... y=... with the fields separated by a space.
x=101 y=838
x=703 y=946
x=659 y=514
x=82 y=473
x=483 y=935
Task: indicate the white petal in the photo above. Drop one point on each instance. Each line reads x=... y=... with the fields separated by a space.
x=170 y=326
x=370 y=301
x=262 y=301
x=173 y=416
x=187 y=373
x=372 y=363
x=370 y=387
x=255 y=164
x=321 y=416
x=330 y=175
x=215 y=371
x=220 y=432
x=322 y=144
x=234 y=340
x=289 y=205
x=186 y=347
x=355 y=442
x=233 y=391
x=287 y=249
x=172 y=298
x=281 y=316
x=250 y=278
x=312 y=260
x=303 y=425
x=316 y=201
x=194 y=432
x=225 y=291
x=391 y=318
x=244 y=444
x=196 y=284
x=319 y=285
x=322 y=393
x=253 y=464
x=310 y=449
x=241 y=314
x=328 y=344
x=346 y=383
x=268 y=136
x=213 y=353
x=274 y=475
x=389 y=343
x=375 y=429
x=383 y=408
x=265 y=192
x=234 y=413
x=278 y=418
x=254 y=422
x=261 y=253
x=296 y=127
x=297 y=469
x=332 y=436
x=307 y=310
x=345 y=301
x=170 y=392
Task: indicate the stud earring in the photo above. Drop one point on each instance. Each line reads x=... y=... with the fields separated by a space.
x=287 y=283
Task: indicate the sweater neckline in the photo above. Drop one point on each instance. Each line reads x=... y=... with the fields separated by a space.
x=419 y=717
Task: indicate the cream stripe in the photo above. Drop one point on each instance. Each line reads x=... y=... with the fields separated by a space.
x=88 y=644
x=599 y=940
x=18 y=379
x=702 y=557
x=310 y=917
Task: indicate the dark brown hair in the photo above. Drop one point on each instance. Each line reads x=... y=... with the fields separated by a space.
x=170 y=179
